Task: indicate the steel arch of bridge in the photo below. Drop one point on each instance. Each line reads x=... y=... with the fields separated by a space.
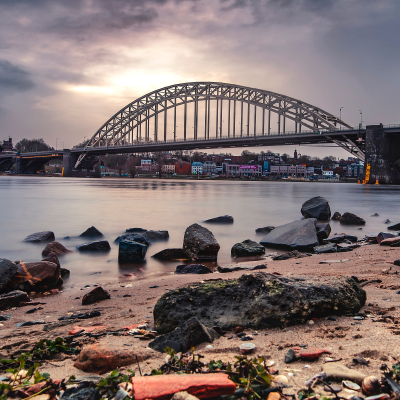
x=120 y=128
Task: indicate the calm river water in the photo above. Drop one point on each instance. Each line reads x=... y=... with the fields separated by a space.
x=69 y=206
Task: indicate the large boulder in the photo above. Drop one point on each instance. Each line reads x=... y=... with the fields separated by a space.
x=189 y=334
x=136 y=237
x=351 y=219
x=200 y=244
x=171 y=255
x=13 y=299
x=192 y=269
x=7 y=270
x=223 y=219
x=45 y=236
x=383 y=236
x=91 y=233
x=55 y=247
x=38 y=276
x=258 y=301
x=99 y=245
x=157 y=235
x=247 y=248
x=131 y=251
x=135 y=230
x=297 y=235
x=95 y=295
x=52 y=257
x=317 y=207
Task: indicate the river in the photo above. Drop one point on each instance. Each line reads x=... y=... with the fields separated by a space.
x=69 y=206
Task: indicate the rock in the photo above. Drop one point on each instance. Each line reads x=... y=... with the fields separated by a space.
x=55 y=247
x=323 y=231
x=247 y=248
x=286 y=256
x=81 y=393
x=326 y=248
x=136 y=230
x=341 y=238
x=297 y=235
x=375 y=215
x=99 y=245
x=395 y=244
x=395 y=226
x=30 y=323
x=52 y=257
x=54 y=325
x=232 y=268
x=13 y=299
x=65 y=272
x=343 y=247
x=7 y=270
x=5 y=317
x=317 y=207
x=95 y=358
x=351 y=219
x=193 y=269
x=224 y=219
x=265 y=229
x=171 y=255
x=397 y=262
x=387 y=221
x=337 y=216
x=157 y=235
x=384 y=235
x=258 y=301
x=40 y=276
x=37 y=237
x=189 y=334
x=390 y=241
x=199 y=243
x=86 y=315
x=97 y=294
x=91 y=233
x=183 y=396
x=130 y=251
x=335 y=370
x=136 y=237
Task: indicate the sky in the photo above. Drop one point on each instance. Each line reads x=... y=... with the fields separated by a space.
x=66 y=66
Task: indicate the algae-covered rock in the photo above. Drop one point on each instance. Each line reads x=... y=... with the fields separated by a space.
x=258 y=301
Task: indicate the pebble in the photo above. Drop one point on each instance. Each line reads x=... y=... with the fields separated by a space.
x=331 y=319
x=310 y=322
x=128 y=285
x=32 y=310
x=209 y=347
x=153 y=287
x=358 y=318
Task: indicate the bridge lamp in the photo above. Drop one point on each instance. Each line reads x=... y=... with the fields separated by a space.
x=361 y=118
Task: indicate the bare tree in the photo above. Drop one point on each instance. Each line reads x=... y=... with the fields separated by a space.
x=131 y=165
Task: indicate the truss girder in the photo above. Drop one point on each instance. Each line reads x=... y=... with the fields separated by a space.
x=117 y=129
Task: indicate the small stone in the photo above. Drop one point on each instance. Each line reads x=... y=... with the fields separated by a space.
x=29 y=323
x=331 y=319
x=290 y=356
x=238 y=329
x=97 y=294
x=153 y=287
x=310 y=322
x=31 y=311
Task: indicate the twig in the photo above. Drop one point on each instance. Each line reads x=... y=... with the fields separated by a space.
x=54 y=365
x=137 y=359
x=43 y=390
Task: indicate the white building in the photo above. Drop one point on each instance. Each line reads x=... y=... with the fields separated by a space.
x=197 y=168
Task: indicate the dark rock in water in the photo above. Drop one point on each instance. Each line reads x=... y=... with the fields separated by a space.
x=130 y=251
x=67 y=237
x=375 y=215
x=395 y=226
x=91 y=232
x=87 y=315
x=30 y=323
x=97 y=294
x=189 y=334
x=81 y=393
x=247 y=248
x=136 y=230
x=55 y=247
x=38 y=276
x=99 y=245
x=65 y=272
x=45 y=236
x=336 y=216
x=171 y=255
x=7 y=270
x=199 y=243
x=258 y=301
x=193 y=269
x=387 y=221
x=52 y=257
x=297 y=235
x=341 y=238
x=317 y=207
x=343 y=247
x=286 y=256
x=351 y=219
x=13 y=299
x=323 y=231
x=157 y=235
x=265 y=229
x=136 y=237
x=224 y=219
x=326 y=248
x=384 y=235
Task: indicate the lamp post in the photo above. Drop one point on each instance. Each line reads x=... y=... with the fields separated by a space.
x=56 y=143
x=361 y=121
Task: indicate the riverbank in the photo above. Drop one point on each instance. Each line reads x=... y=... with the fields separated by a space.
x=133 y=299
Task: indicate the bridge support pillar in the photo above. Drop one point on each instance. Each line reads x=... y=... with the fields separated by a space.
x=69 y=161
x=382 y=150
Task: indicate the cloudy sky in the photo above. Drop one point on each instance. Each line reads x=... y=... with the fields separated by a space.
x=67 y=65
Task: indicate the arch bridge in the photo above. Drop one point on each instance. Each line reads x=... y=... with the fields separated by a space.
x=212 y=114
